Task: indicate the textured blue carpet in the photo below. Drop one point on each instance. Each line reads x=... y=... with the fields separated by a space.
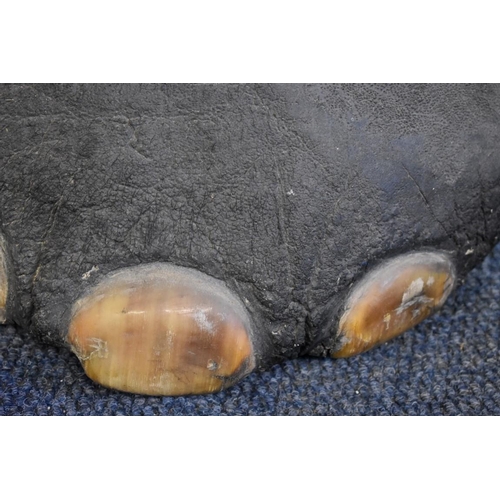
x=448 y=365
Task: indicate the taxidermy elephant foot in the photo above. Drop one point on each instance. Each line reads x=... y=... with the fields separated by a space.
x=177 y=237
x=161 y=329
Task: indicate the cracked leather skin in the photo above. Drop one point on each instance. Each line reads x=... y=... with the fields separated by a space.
x=286 y=193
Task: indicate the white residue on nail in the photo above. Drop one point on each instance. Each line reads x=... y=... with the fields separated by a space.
x=203 y=322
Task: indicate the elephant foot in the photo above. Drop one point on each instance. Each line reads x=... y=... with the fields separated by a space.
x=160 y=329
x=163 y=329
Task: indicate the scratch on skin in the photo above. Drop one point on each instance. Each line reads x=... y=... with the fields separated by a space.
x=426 y=201
x=52 y=221
x=280 y=202
x=134 y=141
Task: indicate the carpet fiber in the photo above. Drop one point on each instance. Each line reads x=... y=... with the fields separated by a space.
x=448 y=365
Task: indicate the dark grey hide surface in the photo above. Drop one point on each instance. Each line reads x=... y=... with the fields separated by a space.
x=287 y=193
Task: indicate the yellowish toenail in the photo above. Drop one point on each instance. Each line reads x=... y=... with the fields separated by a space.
x=394 y=298
x=162 y=330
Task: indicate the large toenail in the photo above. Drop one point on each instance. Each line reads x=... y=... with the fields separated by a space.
x=4 y=281
x=393 y=298
x=162 y=329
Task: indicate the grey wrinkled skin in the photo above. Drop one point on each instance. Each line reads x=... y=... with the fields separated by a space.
x=286 y=193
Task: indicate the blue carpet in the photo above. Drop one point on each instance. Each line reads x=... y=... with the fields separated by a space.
x=448 y=365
